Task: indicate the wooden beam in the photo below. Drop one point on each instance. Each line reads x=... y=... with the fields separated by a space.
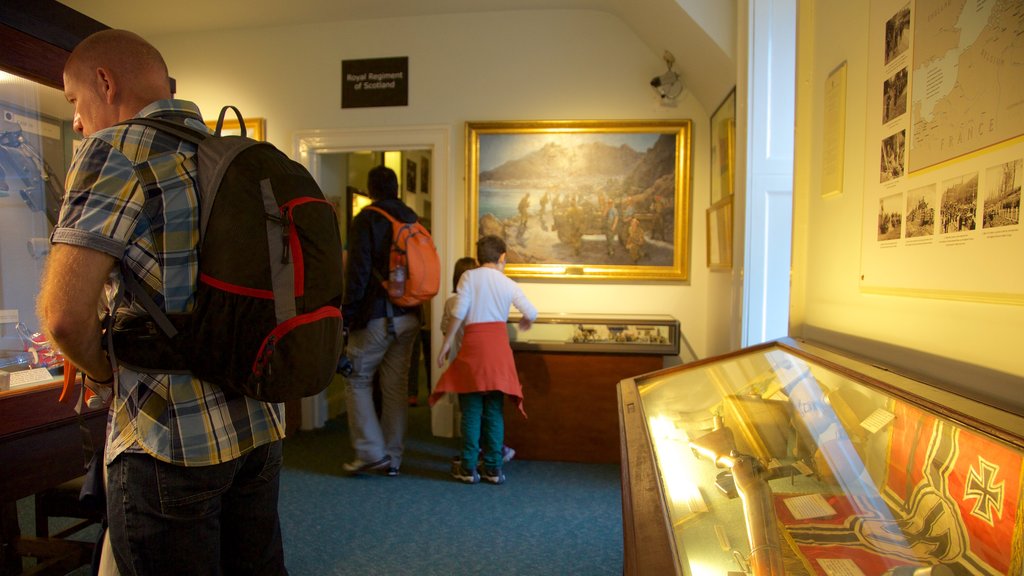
x=38 y=36
x=31 y=58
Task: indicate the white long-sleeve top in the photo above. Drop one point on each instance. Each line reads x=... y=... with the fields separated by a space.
x=487 y=295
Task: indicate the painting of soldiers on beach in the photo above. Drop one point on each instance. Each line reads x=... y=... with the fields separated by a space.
x=604 y=200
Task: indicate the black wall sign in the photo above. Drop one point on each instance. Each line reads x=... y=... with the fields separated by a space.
x=375 y=82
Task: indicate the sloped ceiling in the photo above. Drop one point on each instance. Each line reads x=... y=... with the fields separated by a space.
x=699 y=33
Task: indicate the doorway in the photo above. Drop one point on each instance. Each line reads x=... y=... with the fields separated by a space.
x=339 y=161
x=343 y=181
x=769 y=186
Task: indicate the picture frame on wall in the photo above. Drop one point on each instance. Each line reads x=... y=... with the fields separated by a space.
x=356 y=201
x=723 y=149
x=719 y=235
x=255 y=128
x=425 y=176
x=410 y=175
x=583 y=199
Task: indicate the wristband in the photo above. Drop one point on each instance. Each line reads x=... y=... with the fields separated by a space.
x=107 y=381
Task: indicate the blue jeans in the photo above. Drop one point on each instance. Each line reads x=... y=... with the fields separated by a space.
x=482 y=419
x=371 y=349
x=206 y=520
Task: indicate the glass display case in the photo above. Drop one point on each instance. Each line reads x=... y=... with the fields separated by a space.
x=656 y=334
x=35 y=151
x=41 y=441
x=788 y=458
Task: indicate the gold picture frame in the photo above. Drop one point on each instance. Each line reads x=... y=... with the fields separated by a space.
x=723 y=149
x=255 y=128
x=719 y=235
x=583 y=199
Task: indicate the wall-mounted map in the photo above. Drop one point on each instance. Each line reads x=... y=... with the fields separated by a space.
x=967 y=78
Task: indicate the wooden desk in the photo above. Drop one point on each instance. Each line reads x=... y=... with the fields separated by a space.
x=40 y=447
x=40 y=441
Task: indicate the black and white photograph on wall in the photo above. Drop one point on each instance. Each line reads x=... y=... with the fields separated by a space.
x=425 y=176
x=890 y=217
x=959 y=203
x=944 y=116
x=897 y=39
x=894 y=152
x=410 y=175
x=920 y=219
x=1002 y=194
x=894 y=96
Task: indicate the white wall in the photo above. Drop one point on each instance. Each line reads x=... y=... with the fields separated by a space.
x=966 y=344
x=524 y=65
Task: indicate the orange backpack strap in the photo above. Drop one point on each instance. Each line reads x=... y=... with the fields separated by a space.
x=384 y=212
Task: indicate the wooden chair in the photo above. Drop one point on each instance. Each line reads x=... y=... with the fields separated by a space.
x=55 y=554
x=62 y=502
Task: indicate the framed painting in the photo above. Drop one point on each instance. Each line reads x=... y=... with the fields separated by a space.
x=357 y=201
x=255 y=128
x=719 y=227
x=583 y=199
x=410 y=175
x=723 y=148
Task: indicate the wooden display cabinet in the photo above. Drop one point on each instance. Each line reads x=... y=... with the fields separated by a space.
x=568 y=366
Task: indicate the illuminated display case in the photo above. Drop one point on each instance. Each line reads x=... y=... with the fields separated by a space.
x=656 y=334
x=41 y=442
x=788 y=458
x=35 y=150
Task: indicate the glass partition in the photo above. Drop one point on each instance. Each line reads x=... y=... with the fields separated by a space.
x=36 y=141
x=602 y=333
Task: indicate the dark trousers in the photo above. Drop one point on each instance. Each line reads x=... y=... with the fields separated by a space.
x=205 y=520
x=482 y=418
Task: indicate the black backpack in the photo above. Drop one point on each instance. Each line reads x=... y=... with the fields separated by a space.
x=267 y=315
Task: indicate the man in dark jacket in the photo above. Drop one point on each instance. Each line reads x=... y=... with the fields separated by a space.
x=380 y=334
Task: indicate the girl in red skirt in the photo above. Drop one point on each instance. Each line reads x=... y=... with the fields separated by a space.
x=483 y=372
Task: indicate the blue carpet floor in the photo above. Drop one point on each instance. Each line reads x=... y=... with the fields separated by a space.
x=549 y=518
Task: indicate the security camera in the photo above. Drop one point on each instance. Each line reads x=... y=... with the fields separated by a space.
x=668 y=85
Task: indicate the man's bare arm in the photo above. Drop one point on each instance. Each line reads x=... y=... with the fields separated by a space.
x=67 y=305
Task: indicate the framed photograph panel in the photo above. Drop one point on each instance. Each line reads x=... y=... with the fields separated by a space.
x=723 y=148
x=411 y=171
x=719 y=240
x=255 y=128
x=583 y=199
